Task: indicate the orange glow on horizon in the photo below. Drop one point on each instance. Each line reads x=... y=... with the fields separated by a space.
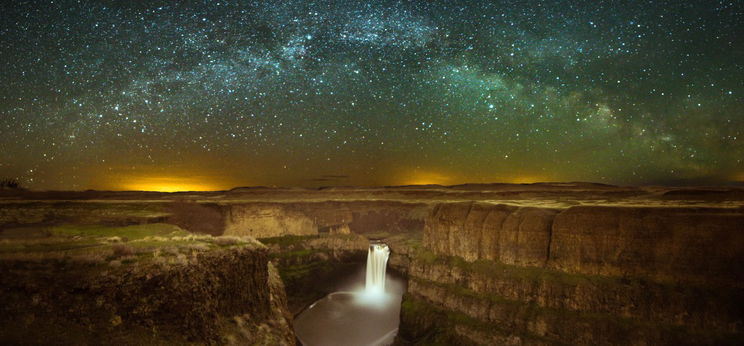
x=436 y=178
x=183 y=181
x=427 y=178
x=168 y=184
x=525 y=180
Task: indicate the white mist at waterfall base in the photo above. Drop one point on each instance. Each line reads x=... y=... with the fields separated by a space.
x=365 y=314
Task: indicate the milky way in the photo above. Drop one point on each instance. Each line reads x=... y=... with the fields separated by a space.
x=310 y=93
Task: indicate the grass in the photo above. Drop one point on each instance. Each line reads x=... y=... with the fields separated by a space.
x=80 y=212
x=287 y=241
x=309 y=264
x=378 y=235
x=446 y=321
x=297 y=264
x=130 y=233
x=495 y=269
x=298 y=241
x=297 y=253
x=442 y=330
x=299 y=271
x=621 y=326
x=465 y=292
x=45 y=245
x=536 y=275
x=102 y=244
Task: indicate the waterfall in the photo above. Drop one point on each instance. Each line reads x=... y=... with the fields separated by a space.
x=377 y=258
x=368 y=314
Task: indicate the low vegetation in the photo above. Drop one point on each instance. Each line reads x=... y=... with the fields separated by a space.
x=310 y=265
x=439 y=327
x=495 y=269
x=10 y=184
x=126 y=233
x=138 y=284
x=287 y=241
x=112 y=245
x=80 y=213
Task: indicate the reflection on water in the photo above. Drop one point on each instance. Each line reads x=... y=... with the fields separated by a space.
x=352 y=318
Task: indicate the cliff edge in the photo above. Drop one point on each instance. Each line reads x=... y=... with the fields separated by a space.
x=496 y=274
x=149 y=284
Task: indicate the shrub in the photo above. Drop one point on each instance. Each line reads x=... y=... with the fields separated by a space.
x=10 y=184
x=122 y=250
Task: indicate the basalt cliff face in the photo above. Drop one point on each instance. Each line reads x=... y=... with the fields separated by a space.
x=507 y=234
x=265 y=220
x=494 y=274
x=704 y=245
x=487 y=264
x=203 y=291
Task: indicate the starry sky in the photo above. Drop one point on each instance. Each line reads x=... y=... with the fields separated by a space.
x=169 y=95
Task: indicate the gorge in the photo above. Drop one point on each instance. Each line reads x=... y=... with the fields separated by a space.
x=363 y=315
x=497 y=264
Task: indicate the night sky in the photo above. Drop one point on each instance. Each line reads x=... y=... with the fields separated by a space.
x=216 y=94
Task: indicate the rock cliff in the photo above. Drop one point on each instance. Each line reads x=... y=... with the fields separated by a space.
x=513 y=264
x=198 y=290
x=473 y=231
x=265 y=220
x=311 y=266
x=496 y=274
x=671 y=244
x=268 y=220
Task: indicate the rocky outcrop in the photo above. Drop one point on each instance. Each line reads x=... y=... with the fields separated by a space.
x=548 y=290
x=276 y=329
x=581 y=276
x=196 y=299
x=403 y=247
x=203 y=218
x=475 y=231
x=311 y=266
x=670 y=244
x=464 y=315
x=387 y=216
x=265 y=220
x=259 y=219
x=268 y=220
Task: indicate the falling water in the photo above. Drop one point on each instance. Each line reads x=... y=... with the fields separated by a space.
x=366 y=314
x=377 y=258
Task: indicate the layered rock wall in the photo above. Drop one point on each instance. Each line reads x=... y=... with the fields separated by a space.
x=702 y=245
x=195 y=301
x=582 y=275
x=474 y=231
x=265 y=220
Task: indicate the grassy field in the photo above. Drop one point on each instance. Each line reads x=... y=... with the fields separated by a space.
x=111 y=245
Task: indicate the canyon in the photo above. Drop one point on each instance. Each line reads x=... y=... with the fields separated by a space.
x=485 y=264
